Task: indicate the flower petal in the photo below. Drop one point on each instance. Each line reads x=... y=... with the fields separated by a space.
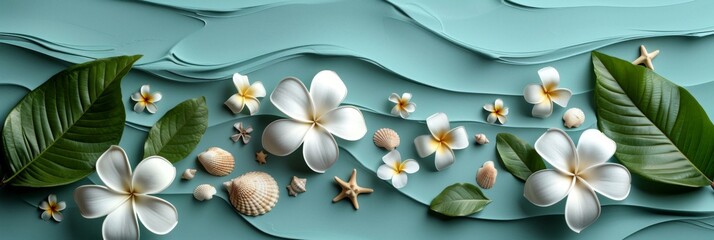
x=425 y=145
x=291 y=97
x=392 y=158
x=560 y=96
x=157 y=215
x=61 y=206
x=594 y=148
x=533 y=93
x=114 y=170
x=404 y=114
x=457 y=138
x=345 y=122
x=52 y=199
x=394 y=98
x=44 y=205
x=139 y=107
x=444 y=158
x=96 y=201
x=502 y=119
x=438 y=124
x=121 y=223
x=241 y=82
x=399 y=180
x=488 y=107
x=557 y=149
x=284 y=136
x=582 y=207
x=543 y=109
x=320 y=149
x=609 y=179
x=410 y=166
x=145 y=90
x=137 y=97
x=151 y=108
x=46 y=215
x=410 y=107
x=406 y=97
x=547 y=187
x=492 y=117
x=327 y=91
x=257 y=90
x=498 y=104
x=253 y=105
x=385 y=172
x=153 y=175
x=549 y=77
x=396 y=111
x=235 y=103
x=57 y=216
x=156 y=97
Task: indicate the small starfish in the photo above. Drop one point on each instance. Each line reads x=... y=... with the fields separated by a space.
x=645 y=57
x=350 y=189
x=243 y=133
x=261 y=157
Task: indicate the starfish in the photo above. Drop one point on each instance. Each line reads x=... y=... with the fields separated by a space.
x=645 y=57
x=243 y=133
x=261 y=157
x=350 y=189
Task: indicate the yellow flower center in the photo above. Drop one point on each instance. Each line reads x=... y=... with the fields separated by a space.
x=147 y=98
x=402 y=103
x=399 y=167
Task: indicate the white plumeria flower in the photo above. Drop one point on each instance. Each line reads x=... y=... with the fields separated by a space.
x=545 y=94
x=396 y=169
x=146 y=100
x=126 y=196
x=247 y=95
x=498 y=112
x=442 y=140
x=314 y=117
x=52 y=209
x=578 y=174
x=404 y=105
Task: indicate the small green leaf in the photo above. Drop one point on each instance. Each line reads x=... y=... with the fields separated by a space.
x=178 y=132
x=518 y=156
x=461 y=199
x=57 y=132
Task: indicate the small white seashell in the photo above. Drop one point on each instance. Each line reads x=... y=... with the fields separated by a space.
x=188 y=174
x=204 y=192
x=573 y=118
x=297 y=185
x=486 y=175
x=253 y=193
x=386 y=138
x=216 y=161
x=481 y=139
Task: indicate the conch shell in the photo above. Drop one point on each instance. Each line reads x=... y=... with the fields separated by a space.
x=217 y=162
x=204 y=192
x=297 y=185
x=386 y=138
x=486 y=175
x=573 y=118
x=188 y=174
x=481 y=139
x=253 y=193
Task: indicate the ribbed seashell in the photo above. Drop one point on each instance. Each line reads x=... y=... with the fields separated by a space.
x=188 y=174
x=217 y=162
x=573 y=118
x=386 y=138
x=486 y=175
x=204 y=192
x=481 y=139
x=297 y=185
x=253 y=193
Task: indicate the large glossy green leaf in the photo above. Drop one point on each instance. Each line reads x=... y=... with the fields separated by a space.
x=661 y=131
x=178 y=132
x=461 y=199
x=56 y=133
x=519 y=158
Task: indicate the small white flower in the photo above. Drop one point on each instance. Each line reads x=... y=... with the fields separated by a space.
x=545 y=94
x=315 y=116
x=247 y=95
x=497 y=112
x=396 y=169
x=404 y=105
x=442 y=140
x=51 y=208
x=146 y=100
x=126 y=197
x=578 y=174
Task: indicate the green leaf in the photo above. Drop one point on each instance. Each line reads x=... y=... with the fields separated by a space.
x=58 y=131
x=661 y=131
x=518 y=156
x=461 y=199
x=178 y=132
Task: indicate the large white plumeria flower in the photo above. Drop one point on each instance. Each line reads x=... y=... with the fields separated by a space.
x=314 y=117
x=395 y=169
x=247 y=95
x=126 y=196
x=578 y=174
x=545 y=94
x=442 y=140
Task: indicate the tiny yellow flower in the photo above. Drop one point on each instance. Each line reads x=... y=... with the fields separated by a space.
x=146 y=100
x=498 y=112
x=52 y=208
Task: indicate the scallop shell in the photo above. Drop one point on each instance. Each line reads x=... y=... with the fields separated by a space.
x=481 y=139
x=204 y=192
x=188 y=174
x=253 y=193
x=573 y=118
x=386 y=138
x=486 y=175
x=217 y=162
x=297 y=185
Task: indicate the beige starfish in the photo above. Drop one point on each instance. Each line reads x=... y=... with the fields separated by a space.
x=645 y=57
x=261 y=157
x=350 y=189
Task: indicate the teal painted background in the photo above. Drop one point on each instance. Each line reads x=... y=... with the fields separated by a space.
x=453 y=56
